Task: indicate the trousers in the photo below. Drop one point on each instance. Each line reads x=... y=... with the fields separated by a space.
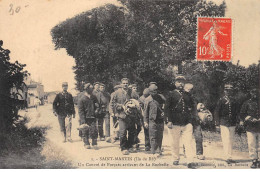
x=91 y=132
x=127 y=132
x=176 y=133
x=147 y=139
x=253 y=144
x=227 y=135
x=65 y=123
x=156 y=135
x=198 y=139
x=138 y=130
x=107 y=125
x=100 y=123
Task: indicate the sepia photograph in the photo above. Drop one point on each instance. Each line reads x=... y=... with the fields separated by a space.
x=129 y=84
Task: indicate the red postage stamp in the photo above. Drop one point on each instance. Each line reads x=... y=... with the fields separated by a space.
x=214 y=39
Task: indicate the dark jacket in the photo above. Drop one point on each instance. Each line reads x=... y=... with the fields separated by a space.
x=63 y=104
x=142 y=101
x=86 y=107
x=153 y=109
x=250 y=110
x=103 y=100
x=179 y=108
x=226 y=112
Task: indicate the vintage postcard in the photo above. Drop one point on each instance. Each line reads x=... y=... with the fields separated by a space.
x=129 y=84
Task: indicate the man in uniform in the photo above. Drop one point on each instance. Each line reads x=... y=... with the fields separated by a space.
x=250 y=117
x=126 y=122
x=146 y=130
x=154 y=118
x=63 y=107
x=104 y=103
x=87 y=116
x=179 y=110
x=225 y=115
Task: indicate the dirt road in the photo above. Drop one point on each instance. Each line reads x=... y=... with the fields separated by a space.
x=110 y=156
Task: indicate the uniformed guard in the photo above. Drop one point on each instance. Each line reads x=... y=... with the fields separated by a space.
x=63 y=107
x=126 y=122
x=87 y=116
x=225 y=115
x=154 y=119
x=178 y=111
x=250 y=118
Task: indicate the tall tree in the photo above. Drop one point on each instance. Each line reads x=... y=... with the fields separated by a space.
x=138 y=39
x=11 y=75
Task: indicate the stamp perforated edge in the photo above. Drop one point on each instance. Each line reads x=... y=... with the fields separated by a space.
x=232 y=38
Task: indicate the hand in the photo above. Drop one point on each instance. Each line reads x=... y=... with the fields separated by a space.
x=116 y=115
x=254 y=120
x=247 y=118
x=145 y=125
x=241 y=123
x=169 y=125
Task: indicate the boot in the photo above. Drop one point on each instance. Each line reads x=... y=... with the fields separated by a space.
x=254 y=164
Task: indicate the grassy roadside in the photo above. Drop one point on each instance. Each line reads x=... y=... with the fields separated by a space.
x=24 y=148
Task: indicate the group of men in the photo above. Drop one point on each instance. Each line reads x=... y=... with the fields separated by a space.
x=152 y=111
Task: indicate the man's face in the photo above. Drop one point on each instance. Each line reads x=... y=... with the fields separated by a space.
x=102 y=88
x=65 y=88
x=228 y=92
x=179 y=85
x=125 y=84
x=134 y=89
x=96 y=87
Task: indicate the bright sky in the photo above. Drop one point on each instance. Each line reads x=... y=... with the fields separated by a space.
x=27 y=35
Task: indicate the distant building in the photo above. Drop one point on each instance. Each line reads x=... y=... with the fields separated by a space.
x=35 y=89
